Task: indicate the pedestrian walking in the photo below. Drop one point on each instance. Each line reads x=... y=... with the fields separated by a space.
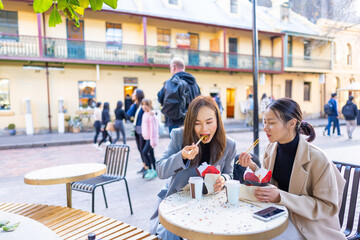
x=181 y=158
x=105 y=120
x=120 y=116
x=333 y=115
x=217 y=99
x=307 y=183
x=150 y=133
x=97 y=123
x=249 y=111
x=265 y=101
x=177 y=93
x=350 y=112
x=135 y=113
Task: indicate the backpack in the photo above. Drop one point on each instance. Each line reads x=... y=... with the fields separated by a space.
x=348 y=111
x=328 y=109
x=176 y=98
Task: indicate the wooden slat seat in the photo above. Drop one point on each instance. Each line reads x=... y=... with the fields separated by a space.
x=74 y=224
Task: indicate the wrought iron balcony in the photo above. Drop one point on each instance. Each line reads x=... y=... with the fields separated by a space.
x=26 y=48
x=244 y=62
x=308 y=62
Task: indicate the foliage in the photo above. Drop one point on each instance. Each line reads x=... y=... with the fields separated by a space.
x=11 y=126
x=71 y=8
x=75 y=122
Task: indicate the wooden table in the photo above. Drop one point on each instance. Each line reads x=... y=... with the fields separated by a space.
x=213 y=218
x=65 y=174
x=27 y=229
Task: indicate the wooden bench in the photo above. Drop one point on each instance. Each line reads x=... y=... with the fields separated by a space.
x=72 y=224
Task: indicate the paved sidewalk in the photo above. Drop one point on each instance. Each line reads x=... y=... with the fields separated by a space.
x=56 y=139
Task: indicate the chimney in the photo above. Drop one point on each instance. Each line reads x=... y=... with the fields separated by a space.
x=285 y=12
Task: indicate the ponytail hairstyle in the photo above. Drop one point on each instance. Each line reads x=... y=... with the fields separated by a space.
x=287 y=109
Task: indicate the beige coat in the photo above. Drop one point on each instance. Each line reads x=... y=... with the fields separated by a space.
x=315 y=191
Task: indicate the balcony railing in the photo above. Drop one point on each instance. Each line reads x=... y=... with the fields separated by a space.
x=308 y=62
x=27 y=48
x=244 y=62
x=13 y=45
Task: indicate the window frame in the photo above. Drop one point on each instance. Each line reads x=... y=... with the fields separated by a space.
x=234 y=6
x=173 y=2
x=7 y=34
x=307 y=49
x=160 y=42
x=113 y=44
x=82 y=96
x=349 y=54
x=8 y=95
x=307 y=91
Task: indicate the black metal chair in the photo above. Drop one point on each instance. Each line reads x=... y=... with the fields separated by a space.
x=351 y=173
x=116 y=159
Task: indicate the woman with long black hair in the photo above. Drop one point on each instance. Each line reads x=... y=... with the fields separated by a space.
x=105 y=119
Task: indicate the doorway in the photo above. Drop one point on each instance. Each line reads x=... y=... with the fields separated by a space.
x=194 y=59
x=75 y=42
x=233 y=57
x=230 y=102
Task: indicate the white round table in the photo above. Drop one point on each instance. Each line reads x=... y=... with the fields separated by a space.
x=27 y=229
x=65 y=174
x=213 y=218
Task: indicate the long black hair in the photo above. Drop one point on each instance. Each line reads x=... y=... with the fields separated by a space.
x=119 y=105
x=106 y=106
x=286 y=109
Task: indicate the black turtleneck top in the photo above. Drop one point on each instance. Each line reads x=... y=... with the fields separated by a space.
x=284 y=163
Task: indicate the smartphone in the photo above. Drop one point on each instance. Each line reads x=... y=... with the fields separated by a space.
x=269 y=213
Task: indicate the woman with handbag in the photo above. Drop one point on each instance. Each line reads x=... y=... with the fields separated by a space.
x=120 y=115
x=105 y=119
x=97 y=123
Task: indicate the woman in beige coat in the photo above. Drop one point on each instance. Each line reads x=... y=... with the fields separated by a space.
x=308 y=184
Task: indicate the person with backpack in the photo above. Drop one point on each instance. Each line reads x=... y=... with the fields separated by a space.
x=350 y=111
x=177 y=93
x=333 y=115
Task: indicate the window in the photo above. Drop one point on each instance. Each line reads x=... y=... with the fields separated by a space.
x=259 y=47
x=8 y=24
x=173 y=2
x=163 y=37
x=288 y=88
x=113 y=35
x=337 y=79
x=87 y=94
x=349 y=55
x=334 y=53
x=307 y=49
x=307 y=88
x=4 y=94
x=233 y=6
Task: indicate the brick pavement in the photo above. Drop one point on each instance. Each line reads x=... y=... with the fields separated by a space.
x=14 y=163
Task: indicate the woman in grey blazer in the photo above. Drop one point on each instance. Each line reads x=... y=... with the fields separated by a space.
x=182 y=156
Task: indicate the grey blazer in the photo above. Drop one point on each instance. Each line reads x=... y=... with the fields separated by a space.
x=171 y=166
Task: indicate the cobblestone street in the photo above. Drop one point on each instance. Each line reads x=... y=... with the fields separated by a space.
x=14 y=164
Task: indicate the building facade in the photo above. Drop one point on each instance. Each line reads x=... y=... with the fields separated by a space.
x=46 y=71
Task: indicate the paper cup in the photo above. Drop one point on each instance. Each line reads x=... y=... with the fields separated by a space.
x=196 y=185
x=232 y=191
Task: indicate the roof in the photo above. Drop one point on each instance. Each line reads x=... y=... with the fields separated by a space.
x=210 y=12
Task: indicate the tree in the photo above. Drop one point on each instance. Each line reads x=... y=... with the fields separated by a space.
x=71 y=8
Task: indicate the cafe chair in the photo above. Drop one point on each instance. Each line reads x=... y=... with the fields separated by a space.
x=116 y=160
x=351 y=173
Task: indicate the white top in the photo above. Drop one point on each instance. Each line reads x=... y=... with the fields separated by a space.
x=97 y=114
x=214 y=216
x=65 y=173
x=27 y=229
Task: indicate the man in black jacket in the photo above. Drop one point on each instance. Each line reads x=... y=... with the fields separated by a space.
x=350 y=112
x=177 y=93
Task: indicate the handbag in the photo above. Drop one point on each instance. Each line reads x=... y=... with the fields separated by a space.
x=110 y=127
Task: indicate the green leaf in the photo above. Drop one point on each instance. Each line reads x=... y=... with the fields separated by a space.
x=83 y=3
x=79 y=10
x=75 y=2
x=96 y=4
x=54 y=18
x=1 y=5
x=41 y=6
x=62 y=4
x=111 y=3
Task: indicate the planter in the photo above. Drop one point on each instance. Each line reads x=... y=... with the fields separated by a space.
x=12 y=132
x=76 y=130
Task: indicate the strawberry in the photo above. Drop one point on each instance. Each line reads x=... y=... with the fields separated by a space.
x=267 y=178
x=249 y=176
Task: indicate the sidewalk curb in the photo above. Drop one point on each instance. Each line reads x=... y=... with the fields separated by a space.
x=53 y=143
